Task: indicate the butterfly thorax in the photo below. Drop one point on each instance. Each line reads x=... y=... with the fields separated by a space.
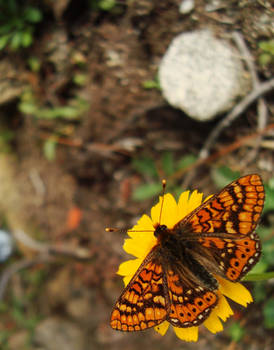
x=174 y=250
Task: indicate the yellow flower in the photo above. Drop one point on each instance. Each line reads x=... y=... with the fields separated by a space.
x=142 y=240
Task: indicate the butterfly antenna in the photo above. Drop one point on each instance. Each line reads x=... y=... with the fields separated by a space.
x=124 y=230
x=113 y=229
x=163 y=196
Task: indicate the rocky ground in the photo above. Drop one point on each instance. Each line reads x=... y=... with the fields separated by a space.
x=63 y=180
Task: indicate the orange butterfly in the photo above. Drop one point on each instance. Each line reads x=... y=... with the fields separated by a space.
x=176 y=282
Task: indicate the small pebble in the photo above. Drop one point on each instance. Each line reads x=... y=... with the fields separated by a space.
x=6 y=245
x=186 y=6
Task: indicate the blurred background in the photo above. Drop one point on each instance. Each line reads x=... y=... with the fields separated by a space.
x=96 y=107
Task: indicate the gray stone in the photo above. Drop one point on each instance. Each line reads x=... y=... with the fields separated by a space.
x=202 y=75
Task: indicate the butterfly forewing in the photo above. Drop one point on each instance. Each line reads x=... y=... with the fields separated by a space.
x=234 y=211
x=143 y=304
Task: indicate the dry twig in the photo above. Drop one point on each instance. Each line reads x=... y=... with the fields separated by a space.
x=258 y=91
x=228 y=149
x=261 y=106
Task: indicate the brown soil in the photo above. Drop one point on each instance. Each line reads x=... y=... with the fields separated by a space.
x=92 y=173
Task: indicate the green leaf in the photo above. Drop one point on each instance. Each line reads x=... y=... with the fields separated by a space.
x=252 y=277
x=107 y=5
x=33 y=15
x=146 y=191
x=223 y=175
x=236 y=331
x=264 y=59
x=168 y=163
x=34 y=64
x=267 y=46
x=259 y=291
x=50 y=149
x=268 y=249
x=66 y=112
x=268 y=312
x=27 y=107
x=16 y=41
x=80 y=79
x=152 y=84
x=6 y=135
x=260 y=267
x=4 y=40
x=26 y=38
x=145 y=166
x=269 y=195
x=186 y=161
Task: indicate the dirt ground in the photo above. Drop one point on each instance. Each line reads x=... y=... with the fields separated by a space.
x=65 y=301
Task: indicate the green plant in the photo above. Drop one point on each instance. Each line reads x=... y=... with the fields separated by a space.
x=34 y=64
x=167 y=166
x=80 y=79
x=5 y=137
x=236 y=331
x=17 y=23
x=268 y=312
x=104 y=5
x=152 y=84
x=267 y=52
x=49 y=148
x=72 y=111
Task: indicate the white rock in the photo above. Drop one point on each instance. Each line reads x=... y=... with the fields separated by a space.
x=202 y=75
x=186 y=6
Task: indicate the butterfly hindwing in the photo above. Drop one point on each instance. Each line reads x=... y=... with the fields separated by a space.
x=190 y=304
x=143 y=303
x=235 y=211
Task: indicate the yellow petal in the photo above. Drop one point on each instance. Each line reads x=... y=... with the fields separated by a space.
x=187 y=334
x=155 y=212
x=162 y=328
x=129 y=267
x=195 y=200
x=213 y=323
x=235 y=291
x=169 y=215
x=127 y=279
x=139 y=248
x=131 y=248
x=223 y=309
x=188 y=203
x=208 y=197
x=143 y=224
x=170 y=211
x=182 y=204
